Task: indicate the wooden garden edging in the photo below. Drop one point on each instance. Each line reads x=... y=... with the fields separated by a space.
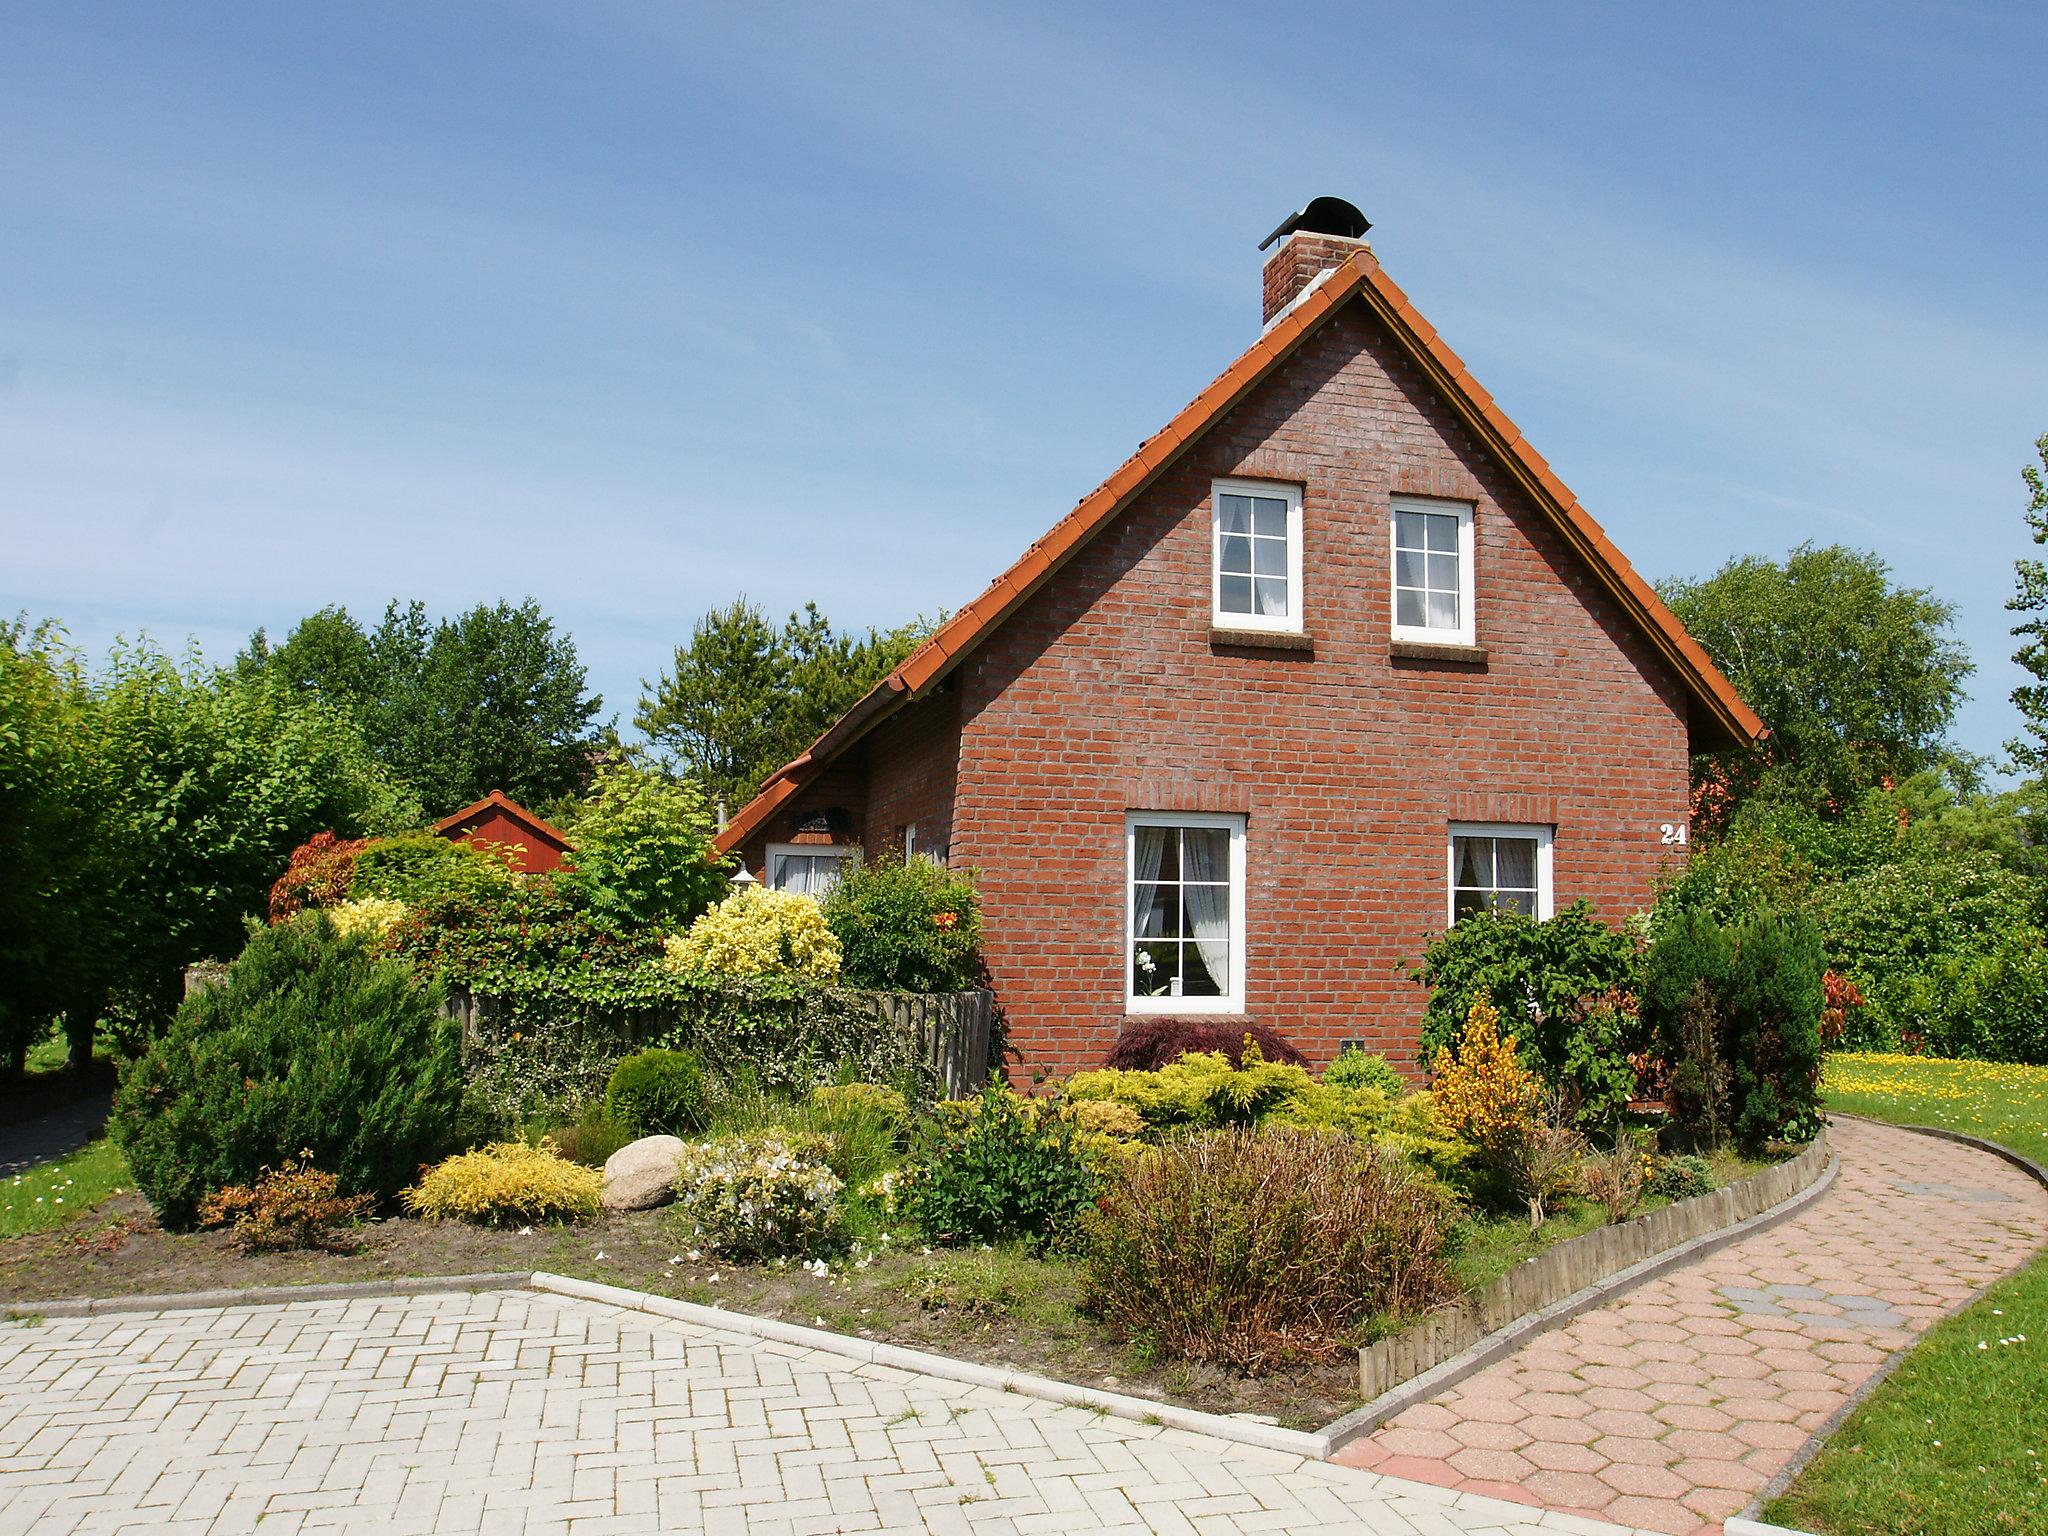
x=1570 y=1267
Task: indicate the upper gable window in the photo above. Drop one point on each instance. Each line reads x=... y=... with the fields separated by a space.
x=1257 y=555
x=1433 y=570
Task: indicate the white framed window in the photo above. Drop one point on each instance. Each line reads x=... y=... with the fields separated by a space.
x=812 y=868
x=1256 y=555
x=1495 y=864
x=1433 y=570
x=1184 y=939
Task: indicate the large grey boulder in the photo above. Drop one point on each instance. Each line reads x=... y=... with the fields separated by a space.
x=642 y=1174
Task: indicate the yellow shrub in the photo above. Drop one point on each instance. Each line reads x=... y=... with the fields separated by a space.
x=1484 y=1093
x=1107 y=1117
x=370 y=916
x=759 y=932
x=505 y=1182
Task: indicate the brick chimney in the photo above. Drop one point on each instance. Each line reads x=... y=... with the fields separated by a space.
x=1310 y=243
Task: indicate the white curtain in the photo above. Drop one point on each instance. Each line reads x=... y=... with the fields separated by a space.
x=1151 y=852
x=1205 y=856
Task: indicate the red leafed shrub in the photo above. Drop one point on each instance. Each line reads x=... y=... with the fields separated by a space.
x=1160 y=1043
x=318 y=875
x=1843 y=997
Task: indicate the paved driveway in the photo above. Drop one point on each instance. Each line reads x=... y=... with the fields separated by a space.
x=516 y=1412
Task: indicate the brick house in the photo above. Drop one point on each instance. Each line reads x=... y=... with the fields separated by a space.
x=1330 y=659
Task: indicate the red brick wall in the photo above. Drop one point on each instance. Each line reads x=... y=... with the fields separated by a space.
x=1103 y=694
x=913 y=757
x=1294 y=264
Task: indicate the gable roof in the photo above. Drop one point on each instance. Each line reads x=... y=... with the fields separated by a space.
x=498 y=800
x=1361 y=277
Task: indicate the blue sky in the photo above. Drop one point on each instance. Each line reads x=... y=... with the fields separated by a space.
x=635 y=307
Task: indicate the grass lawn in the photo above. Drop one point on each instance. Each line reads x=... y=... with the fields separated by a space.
x=1955 y=1443
x=52 y=1193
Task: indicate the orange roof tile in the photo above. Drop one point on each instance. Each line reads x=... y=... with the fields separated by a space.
x=1361 y=277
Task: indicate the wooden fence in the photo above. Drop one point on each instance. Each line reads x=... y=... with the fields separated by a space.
x=953 y=1029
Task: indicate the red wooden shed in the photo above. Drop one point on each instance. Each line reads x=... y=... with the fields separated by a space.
x=499 y=819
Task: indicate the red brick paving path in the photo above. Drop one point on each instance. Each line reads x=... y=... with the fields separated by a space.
x=1671 y=1406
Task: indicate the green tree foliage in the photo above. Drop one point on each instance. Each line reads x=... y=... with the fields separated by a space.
x=906 y=925
x=204 y=783
x=743 y=697
x=643 y=850
x=53 y=926
x=310 y=1046
x=2030 y=752
x=1858 y=679
x=491 y=699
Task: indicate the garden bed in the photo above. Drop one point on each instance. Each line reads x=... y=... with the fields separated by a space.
x=998 y=1306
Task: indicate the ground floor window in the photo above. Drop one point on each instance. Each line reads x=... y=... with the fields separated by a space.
x=812 y=868
x=1506 y=867
x=1184 y=945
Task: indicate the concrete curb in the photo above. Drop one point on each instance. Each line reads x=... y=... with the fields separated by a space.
x=266 y=1295
x=1738 y=1526
x=1789 y=1473
x=1311 y=1445
x=1504 y=1341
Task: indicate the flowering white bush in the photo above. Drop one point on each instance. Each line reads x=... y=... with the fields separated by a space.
x=759 y=1195
x=759 y=932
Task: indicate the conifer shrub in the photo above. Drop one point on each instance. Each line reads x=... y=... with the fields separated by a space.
x=310 y=1047
x=657 y=1093
x=1255 y=1248
x=758 y=932
x=508 y=1183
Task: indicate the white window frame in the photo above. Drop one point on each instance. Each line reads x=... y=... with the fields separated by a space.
x=1467 y=630
x=1232 y=999
x=845 y=853
x=1290 y=622
x=1545 y=837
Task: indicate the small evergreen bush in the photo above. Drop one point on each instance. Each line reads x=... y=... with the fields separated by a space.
x=1253 y=1249
x=657 y=1093
x=996 y=1167
x=1743 y=1000
x=1682 y=1177
x=310 y=1047
x=906 y=925
x=508 y=1183
x=1353 y=1068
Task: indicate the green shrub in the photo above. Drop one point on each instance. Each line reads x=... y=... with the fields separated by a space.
x=507 y=1183
x=866 y=1124
x=1899 y=929
x=589 y=1137
x=1353 y=1068
x=422 y=868
x=765 y=1195
x=1759 y=982
x=1557 y=985
x=1991 y=1006
x=657 y=1093
x=906 y=925
x=643 y=850
x=995 y=1167
x=1252 y=1249
x=1200 y=1091
x=1681 y=1177
x=309 y=1047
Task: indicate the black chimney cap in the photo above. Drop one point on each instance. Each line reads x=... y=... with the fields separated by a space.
x=1323 y=216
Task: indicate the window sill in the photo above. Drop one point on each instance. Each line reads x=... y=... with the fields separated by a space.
x=1260 y=640
x=1432 y=650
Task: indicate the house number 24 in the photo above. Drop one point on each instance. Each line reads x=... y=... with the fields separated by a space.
x=1672 y=834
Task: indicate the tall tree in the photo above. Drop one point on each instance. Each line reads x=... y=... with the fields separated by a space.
x=743 y=697
x=491 y=699
x=2030 y=752
x=1857 y=679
